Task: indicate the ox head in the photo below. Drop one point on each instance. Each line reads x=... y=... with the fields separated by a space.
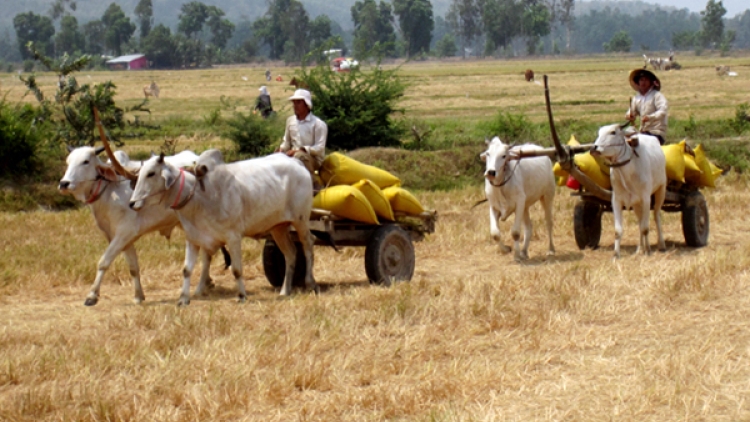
x=496 y=157
x=610 y=141
x=84 y=169
x=156 y=177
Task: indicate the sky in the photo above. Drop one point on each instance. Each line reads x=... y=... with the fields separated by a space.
x=733 y=6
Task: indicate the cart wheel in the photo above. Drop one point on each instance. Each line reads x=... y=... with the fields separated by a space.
x=587 y=224
x=389 y=255
x=695 y=219
x=274 y=265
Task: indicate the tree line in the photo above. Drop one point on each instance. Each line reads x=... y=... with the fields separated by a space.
x=204 y=35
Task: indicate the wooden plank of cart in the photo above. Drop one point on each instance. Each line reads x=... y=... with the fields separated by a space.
x=594 y=200
x=389 y=248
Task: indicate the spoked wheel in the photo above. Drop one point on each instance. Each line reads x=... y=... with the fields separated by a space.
x=389 y=255
x=587 y=224
x=274 y=265
x=695 y=219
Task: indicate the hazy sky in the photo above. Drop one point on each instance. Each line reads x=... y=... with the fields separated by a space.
x=733 y=6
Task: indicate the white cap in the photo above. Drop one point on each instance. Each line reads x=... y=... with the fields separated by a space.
x=263 y=90
x=302 y=94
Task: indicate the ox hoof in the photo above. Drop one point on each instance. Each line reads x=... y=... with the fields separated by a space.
x=316 y=290
x=184 y=301
x=241 y=298
x=91 y=301
x=138 y=300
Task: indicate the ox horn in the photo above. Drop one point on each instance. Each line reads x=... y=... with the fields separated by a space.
x=556 y=139
x=110 y=154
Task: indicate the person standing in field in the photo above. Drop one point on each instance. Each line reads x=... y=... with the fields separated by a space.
x=649 y=103
x=306 y=134
x=268 y=75
x=263 y=103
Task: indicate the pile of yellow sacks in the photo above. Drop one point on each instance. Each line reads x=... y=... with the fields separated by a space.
x=362 y=192
x=682 y=166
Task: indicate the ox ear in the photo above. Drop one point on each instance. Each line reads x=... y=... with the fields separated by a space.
x=70 y=148
x=169 y=178
x=483 y=156
x=99 y=150
x=201 y=170
x=624 y=125
x=108 y=173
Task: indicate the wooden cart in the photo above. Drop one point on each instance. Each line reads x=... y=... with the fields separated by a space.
x=594 y=200
x=389 y=248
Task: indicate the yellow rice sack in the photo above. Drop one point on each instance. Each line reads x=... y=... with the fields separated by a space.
x=338 y=169
x=377 y=199
x=561 y=176
x=674 y=155
x=709 y=172
x=691 y=168
x=346 y=201
x=588 y=165
x=403 y=201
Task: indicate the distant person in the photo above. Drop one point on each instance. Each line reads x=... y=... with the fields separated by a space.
x=649 y=103
x=263 y=103
x=305 y=135
x=268 y=75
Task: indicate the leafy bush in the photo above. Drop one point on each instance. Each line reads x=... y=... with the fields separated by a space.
x=515 y=128
x=357 y=106
x=255 y=135
x=20 y=139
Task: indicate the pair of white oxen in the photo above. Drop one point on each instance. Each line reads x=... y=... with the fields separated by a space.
x=218 y=204
x=512 y=185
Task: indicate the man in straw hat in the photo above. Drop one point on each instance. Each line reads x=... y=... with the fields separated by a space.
x=649 y=103
x=305 y=134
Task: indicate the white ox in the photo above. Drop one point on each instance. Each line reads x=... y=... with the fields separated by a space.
x=95 y=183
x=513 y=185
x=636 y=172
x=222 y=203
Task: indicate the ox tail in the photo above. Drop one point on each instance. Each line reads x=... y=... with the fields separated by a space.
x=227 y=257
x=479 y=202
x=326 y=237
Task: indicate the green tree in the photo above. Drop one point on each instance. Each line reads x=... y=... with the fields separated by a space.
x=93 y=33
x=416 y=23
x=38 y=29
x=160 y=47
x=373 y=29
x=502 y=21
x=192 y=17
x=118 y=28
x=464 y=17
x=57 y=10
x=712 y=23
x=536 y=24
x=620 y=42
x=684 y=40
x=144 y=12
x=221 y=29
x=70 y=39
x=296 y=44
x=446 y=47
x=276 y=26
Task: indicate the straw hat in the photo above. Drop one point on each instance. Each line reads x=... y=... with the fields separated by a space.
x=637 y=73
x=302 y=94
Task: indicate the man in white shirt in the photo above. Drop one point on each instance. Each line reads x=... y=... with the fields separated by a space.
x=305 y=135
x=649 y=103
